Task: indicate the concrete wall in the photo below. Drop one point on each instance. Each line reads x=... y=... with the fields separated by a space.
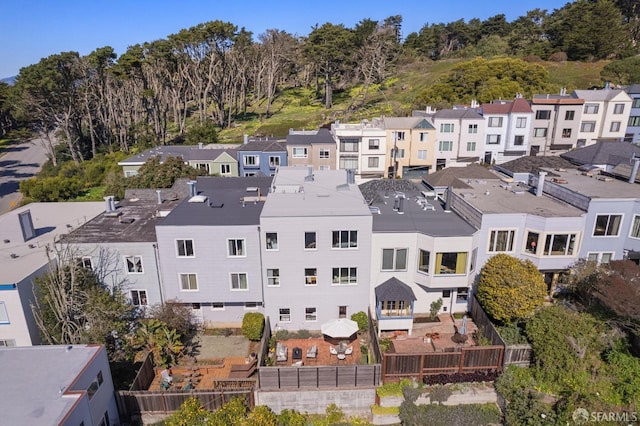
x=315 y=401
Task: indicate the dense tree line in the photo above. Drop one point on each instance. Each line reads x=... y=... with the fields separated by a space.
x=212 y=73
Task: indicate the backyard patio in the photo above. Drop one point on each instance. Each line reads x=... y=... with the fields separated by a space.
x=299 y=352
x=435 y=336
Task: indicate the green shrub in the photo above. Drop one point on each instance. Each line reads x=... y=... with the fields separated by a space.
x=253 y=325
x=303 y=334
x=393 y=388
x=385 y=344
x=291 y=418
x=282 y=335
x=435 y=308
x=512 y=334
x=362 y=320
x=445 y=415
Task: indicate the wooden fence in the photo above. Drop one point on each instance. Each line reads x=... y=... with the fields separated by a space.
x=138 y=402
x=349 y=376
x=264 y=342
x=145 y=375
x=396 y=366
x=375 y=344
x=513 y=354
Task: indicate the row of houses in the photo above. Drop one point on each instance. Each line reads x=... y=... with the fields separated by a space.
x=492 y=133
x=306 y=245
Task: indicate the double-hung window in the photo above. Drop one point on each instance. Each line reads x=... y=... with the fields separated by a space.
x=273 y=277
x=251 y=160
x=185 y=248
x=271 y=241
x=236 y=248
x=345 y=275
x=394 y=259
x=239 y=281
x=189 y=282
x=134 y=264
x=501 y=240
x=139 y=297
x=495 y=122
x=300 y=153
x=310 y=276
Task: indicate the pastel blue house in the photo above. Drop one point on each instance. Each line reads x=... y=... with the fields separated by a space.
x=261 y=158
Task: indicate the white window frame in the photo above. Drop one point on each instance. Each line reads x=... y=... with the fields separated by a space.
x=394 y=259
x=422 y=154
x=274 y=161
x=311 y=314
x=248 y=307
x=591 y=108
x=512 y=235
x=373 y=162
x=238 y=275
x=424 y=137
x=491 y=138
x=268 y=239
x=553 y=236
x=635 y=224
x=518 y=140
x=428 y=264
x=311 y=280
x=183 y=242
x=273 y=280
x=543 y=114
x=315 y=240
x=445 y=146
x=225 y=169
x=374 y=144
x=189 y=275
x=538 y=130
x=615 y=126
x=203 y=166
x=87 y=262
x=4 y=314
x=341 y=243
x=588 y=126
x=606 y=234
x=473 y=128
x=251 y=160
x=133 y=263
x=344 y=279
x=324 y=154
x=599 y=255
x=218 y=308
x=494 y=121
x=447 y=127
x=618 y=108
x=140 y=295
x=235 y=247
x=400 y=136
x=521 y=122
x=299 y=152
x=569 y=115
x=284 y=314
x=471 y=146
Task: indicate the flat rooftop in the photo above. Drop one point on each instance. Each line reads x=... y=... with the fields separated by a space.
x=295 y=193
x=429 y=219
x=50 y=220
x=494 y=196
x=222 y=201
x=35 y=381
x=597 y=186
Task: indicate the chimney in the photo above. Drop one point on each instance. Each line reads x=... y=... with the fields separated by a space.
x=634 y=172
x=246 y=139
x=396 y=204
x=400 y=205
x=159 y=193
x=447 y=203
x=109 y=204
x=200 y=145
x=351 y=176
x=192 y=188
x=540 y=187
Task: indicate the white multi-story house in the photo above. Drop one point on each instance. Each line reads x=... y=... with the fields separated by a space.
x=315 y=236
x=26 y=233
x=210 y=249
x=507 y=130
x=361 y=147
x=556 y=123
x=605 y=115
x=66 y=385
x=420 y=253
x=460 y=128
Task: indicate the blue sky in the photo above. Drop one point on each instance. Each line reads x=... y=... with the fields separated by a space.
x=34 y=29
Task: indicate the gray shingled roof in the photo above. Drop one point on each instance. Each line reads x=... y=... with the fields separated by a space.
x=394 y=289
x=605 y=152
x=263 y=146
x=454 y=176
x=455 y=114
x=323 y=136
x=529 y=164
x=633 y=89
x=187 y=153
x=597 y=95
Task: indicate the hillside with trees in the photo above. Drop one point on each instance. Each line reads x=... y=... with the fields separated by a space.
x=215 y=81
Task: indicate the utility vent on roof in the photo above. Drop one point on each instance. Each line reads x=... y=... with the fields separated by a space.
x=374 y=209
x=163 y=213
x=323 y=195
x=198 y=199
x=128 y=220
x=518 y=191
x=342 y=187
x=604 y=178
x=216 y=206
x=559 y=180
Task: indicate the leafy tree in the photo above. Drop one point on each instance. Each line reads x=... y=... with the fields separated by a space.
x=73 y=305
x=175 y=315
x=486 y=80
x=232 y=413
x=527 y=35
x=329 y=47
x=204 y=133
x=623 y=71
x=253 y=325
x=362 y=319
x=435 y=308
x=163 y=342
x=261 y=416
x=510 y=289
x=289 y=417
x=191 y=413
x=156 y=174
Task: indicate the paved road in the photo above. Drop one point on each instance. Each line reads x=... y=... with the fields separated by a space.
x=18 y=162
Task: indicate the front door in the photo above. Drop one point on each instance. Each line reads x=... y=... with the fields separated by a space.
x=487 y=157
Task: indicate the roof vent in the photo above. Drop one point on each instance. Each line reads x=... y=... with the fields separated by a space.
x=128 y=220
x=604 y=178
x=32 y=246
x=26 y=225
x=7 y=241
x=198 y=199
x=14 y=256
x=219 y=206
x=374 y=209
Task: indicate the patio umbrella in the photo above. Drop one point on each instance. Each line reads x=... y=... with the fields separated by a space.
x=341 y=327
x=463 y=328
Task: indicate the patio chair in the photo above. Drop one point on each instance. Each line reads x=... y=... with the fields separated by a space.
x=281 y=353
x=333 y=351
x=349 y=350
x=312 y=352
x=166 y=376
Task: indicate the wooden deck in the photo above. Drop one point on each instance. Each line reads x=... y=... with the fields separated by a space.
x=324 y=356
x=202 y=376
